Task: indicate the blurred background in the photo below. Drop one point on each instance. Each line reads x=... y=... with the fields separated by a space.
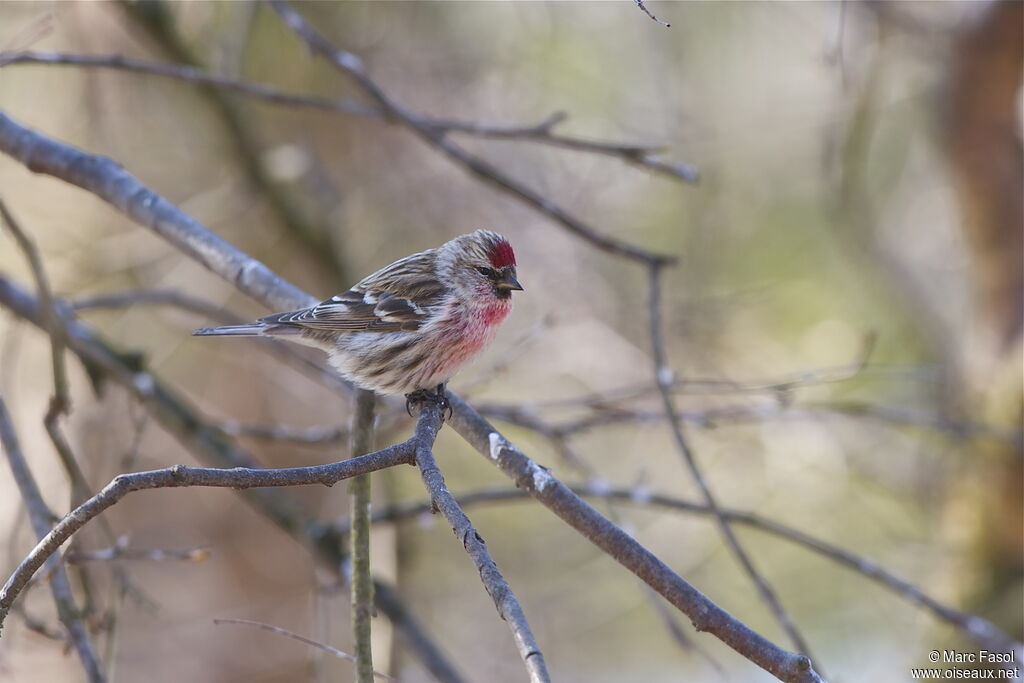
x=844 y=321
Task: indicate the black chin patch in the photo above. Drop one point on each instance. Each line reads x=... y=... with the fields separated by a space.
x=502 y=293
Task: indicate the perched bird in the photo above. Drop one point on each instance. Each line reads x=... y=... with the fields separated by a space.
x=409 y=327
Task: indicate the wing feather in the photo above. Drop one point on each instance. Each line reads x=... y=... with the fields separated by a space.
x=400 y=297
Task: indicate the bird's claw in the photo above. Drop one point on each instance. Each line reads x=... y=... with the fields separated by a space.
x=438 y=396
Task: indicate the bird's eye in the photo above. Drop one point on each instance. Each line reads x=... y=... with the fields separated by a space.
x=486 y=272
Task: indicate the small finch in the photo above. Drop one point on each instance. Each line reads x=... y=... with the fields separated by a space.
x=409 y=327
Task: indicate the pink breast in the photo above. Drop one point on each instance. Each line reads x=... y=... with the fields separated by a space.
x=467 y=338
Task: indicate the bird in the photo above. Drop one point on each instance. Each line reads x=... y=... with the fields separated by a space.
x=410 y=326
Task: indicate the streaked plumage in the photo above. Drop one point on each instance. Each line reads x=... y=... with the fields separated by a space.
x=411 y=325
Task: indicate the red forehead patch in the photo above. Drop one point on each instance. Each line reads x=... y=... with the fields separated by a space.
x=501 y=255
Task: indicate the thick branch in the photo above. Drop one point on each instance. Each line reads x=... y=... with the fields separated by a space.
x=108 y=181
x=427 y=426
x=577 y=513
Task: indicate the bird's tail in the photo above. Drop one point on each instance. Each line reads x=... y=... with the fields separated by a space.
x=231 y=330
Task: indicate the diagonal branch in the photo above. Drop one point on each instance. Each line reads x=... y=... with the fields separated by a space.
x=580 y=515
x=106 y=179
x=41 y=518
x=157 y=22
x=351 y=65
x=663 y=377
x=96 y=174
x=643 y=7
x=302 y=639
x=427 y=426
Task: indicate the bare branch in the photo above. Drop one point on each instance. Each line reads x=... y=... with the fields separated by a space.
x=179 y=476
x=289 y=353
x=60 y=402
x=600 y=416
x=577 y=513
x=122 y=551
x=641 y=5
x=714 y=385
x=41 y=518
x=210 y=445
x=255 y=279
x=362 y=581
x=984 y=632
x=315 y=436
x=302 y=639
x=39 y=626
x=157 y=297
x=641 y=156
x=107 y=180
x=506 y=602
x=193 y=75
x=35 y=261
x=663 y=377
x=351 y=65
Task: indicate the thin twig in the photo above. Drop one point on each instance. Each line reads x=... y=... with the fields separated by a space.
x=314 y=436
x=60 y=401
x=180 y=476
x=289 y=353
x=601 y=416
x=351 y=65
x=710 y=385
x=984 y=632
x=663 y=377
x=41 y=518
x=641 y=156
x=39 y=626
x=157 y=297
x=506 y=602
x=501 y=364
x=158 y=22
x=35 y=262
x=362 y=581
x=641 y=5
x=210 y=445
x=302 y=639
x=121 y=551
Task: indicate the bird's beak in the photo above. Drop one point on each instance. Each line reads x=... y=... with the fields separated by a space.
x=509 y=281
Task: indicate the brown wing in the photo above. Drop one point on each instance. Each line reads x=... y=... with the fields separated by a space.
x=397 y=298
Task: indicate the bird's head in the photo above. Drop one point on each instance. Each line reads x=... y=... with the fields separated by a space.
x=480 y=266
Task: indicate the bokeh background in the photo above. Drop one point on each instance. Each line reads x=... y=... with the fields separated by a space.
x=861 y=180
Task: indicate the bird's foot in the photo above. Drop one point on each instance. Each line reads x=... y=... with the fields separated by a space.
x=439 y=396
